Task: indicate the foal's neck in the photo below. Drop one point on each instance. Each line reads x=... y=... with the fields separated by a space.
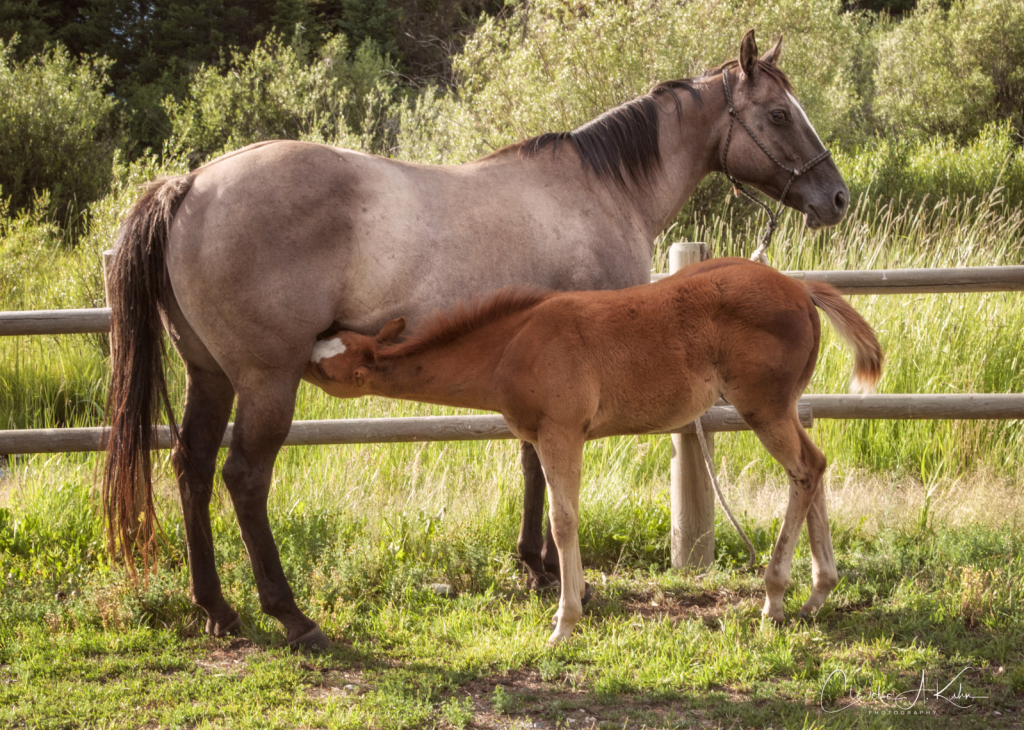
x=459 y=372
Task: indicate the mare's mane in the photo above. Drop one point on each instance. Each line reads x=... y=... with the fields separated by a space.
x=626 y=138
x=772 y=71
x=465 y=318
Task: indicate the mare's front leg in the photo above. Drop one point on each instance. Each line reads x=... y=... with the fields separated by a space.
x=535 y=545
x=266 y=403
x=561 y=453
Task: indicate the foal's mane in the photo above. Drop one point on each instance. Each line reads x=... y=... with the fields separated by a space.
x=465 y=318
x=626 y=137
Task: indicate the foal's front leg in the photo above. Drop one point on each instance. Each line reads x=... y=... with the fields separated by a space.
x=561 y=453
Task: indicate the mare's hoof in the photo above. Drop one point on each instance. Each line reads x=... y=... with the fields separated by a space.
x=229 y=627
x=542 y=581
x=314 y=640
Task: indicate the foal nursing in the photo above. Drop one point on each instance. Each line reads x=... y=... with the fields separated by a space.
x=566 y=367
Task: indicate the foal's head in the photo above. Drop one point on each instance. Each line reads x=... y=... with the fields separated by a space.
x=766 y=111
x=346 y=359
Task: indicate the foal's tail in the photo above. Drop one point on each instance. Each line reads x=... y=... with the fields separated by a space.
x=868 y=358
x=137 y=283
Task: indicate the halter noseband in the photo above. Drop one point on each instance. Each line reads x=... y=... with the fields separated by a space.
x=794 y=173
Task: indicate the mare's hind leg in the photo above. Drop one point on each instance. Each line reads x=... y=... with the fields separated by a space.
x=208 y=400
x=266 y=403
x=207 y=408
x=535 y=545
x=787 y=441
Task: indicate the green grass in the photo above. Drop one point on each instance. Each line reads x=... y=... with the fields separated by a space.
x=656 y=649
x=926 y=519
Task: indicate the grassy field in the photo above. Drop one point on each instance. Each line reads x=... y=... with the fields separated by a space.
x=927 y=524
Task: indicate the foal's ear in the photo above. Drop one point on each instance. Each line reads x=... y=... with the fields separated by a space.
x=391 y=330
x=748 y=55
x=772 y=56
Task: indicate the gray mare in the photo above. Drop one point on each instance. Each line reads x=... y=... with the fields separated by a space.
x=249 y=258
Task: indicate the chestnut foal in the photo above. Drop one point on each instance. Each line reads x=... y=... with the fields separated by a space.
x=566 y=367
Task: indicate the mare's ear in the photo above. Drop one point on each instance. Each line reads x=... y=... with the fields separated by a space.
x=774 y=54
x=391 y=330
x=748 y=55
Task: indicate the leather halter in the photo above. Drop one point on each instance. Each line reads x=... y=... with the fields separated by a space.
x=794 y=173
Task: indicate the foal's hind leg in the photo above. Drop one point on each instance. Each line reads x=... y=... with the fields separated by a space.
x=824 y=576
x=536 y=546
x=787 y=441
x=266 y=402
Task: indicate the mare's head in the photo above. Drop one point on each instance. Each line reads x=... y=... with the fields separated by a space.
x=343 y=363
x=767 y=111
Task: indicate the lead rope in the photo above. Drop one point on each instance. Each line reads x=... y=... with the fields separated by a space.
x=760 y=253
x=721 y=499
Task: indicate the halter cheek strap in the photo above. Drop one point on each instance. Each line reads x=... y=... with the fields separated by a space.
x=794 y=173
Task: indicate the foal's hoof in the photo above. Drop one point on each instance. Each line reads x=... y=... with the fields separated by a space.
x=231 y=626
x=588 y=593
x=314 y=640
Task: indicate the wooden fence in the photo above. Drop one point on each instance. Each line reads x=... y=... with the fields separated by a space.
x=690 y=487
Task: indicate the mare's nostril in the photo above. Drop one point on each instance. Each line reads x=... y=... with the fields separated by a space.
x=841 y=200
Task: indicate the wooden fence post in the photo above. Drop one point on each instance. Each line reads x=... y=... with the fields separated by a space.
x=693 y=500
x=108 y=261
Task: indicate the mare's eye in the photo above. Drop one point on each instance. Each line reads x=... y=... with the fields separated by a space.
x=779 y=116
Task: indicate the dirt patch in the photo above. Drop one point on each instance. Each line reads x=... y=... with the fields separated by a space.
x=337 y=683
x=527 y=701
x=228 y=658
x=707 y=605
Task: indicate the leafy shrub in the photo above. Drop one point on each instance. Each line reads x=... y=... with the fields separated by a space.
x=938 y=167
x=56 y=131
x=555 y=64
x=952 y=72
x=275 y=93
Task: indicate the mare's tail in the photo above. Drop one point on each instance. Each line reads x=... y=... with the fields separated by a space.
x=136 y=284
x=868 y=358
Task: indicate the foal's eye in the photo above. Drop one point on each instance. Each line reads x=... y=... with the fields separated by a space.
x=779 y=116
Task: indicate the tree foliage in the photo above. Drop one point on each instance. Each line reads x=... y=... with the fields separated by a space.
x=56 y=131
x=279 y=92
x=951 y=72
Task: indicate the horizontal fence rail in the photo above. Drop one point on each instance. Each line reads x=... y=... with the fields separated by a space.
x=479 y=428
x=915 y=281
x=347 y=431
x=881 y=281
x=55 y=322
x=954 y=406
